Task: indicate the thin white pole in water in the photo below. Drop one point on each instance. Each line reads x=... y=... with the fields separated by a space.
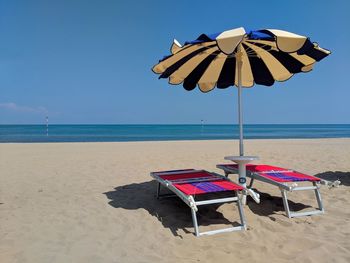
x=47 y=126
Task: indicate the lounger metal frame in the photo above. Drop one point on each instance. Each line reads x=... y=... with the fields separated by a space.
x=190 y=200
x=284 y=188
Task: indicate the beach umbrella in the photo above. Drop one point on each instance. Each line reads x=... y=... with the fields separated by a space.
x=240 y=58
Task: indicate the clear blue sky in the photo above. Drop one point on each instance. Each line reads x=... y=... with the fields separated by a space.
x=90 y=62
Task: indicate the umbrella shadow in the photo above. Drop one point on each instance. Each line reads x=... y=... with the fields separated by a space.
x=270 y=205
x=343 y=177
x=171 y=212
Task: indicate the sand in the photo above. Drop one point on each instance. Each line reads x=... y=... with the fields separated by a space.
x=94 y=202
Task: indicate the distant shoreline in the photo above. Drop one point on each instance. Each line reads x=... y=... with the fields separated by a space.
x=171 y=124
x=184 y=132
x=183 y=141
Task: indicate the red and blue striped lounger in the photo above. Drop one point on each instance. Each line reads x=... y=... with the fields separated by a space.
x=285 y=179
x=189 y=184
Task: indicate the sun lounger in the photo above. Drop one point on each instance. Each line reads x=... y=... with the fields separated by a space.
x=286 y=180
x=191 y=184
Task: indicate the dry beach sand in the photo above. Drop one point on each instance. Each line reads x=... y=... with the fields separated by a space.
x=94 y=202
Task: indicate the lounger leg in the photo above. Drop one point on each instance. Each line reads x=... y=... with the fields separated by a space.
x=318 y=197
x=158 y=190
x=251 y=183
x=318 y=211
x=285 y=202
x=241 y=214
x=195 y=224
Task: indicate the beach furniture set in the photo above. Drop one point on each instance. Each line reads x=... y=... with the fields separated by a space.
x=199 y=187
x=241 y=58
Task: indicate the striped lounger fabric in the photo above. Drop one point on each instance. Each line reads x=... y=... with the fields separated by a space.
x=283 y=178
x=279 y=174
x=189 y=183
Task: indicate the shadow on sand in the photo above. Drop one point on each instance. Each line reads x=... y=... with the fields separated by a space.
x=343 y=177
x=269 y=205
x=176 y=215
x=171 y=212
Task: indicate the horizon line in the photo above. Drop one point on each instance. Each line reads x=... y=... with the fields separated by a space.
x=3 y=124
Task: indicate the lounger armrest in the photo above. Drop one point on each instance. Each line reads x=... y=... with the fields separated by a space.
x=330 y=184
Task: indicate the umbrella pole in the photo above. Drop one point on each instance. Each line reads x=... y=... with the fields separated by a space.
x=240 y=116
x=241 y=163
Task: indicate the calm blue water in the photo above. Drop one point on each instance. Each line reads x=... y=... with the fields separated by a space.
x=119 y=133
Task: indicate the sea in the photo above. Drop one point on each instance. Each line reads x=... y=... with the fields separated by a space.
x=124 y=133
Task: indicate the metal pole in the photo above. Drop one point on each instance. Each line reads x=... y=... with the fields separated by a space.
x=242 y=179
x=47 y=126
x=194 y=220
x=240 y=115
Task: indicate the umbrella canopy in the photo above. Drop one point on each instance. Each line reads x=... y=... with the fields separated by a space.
x=239 y=58
x=266 y=56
